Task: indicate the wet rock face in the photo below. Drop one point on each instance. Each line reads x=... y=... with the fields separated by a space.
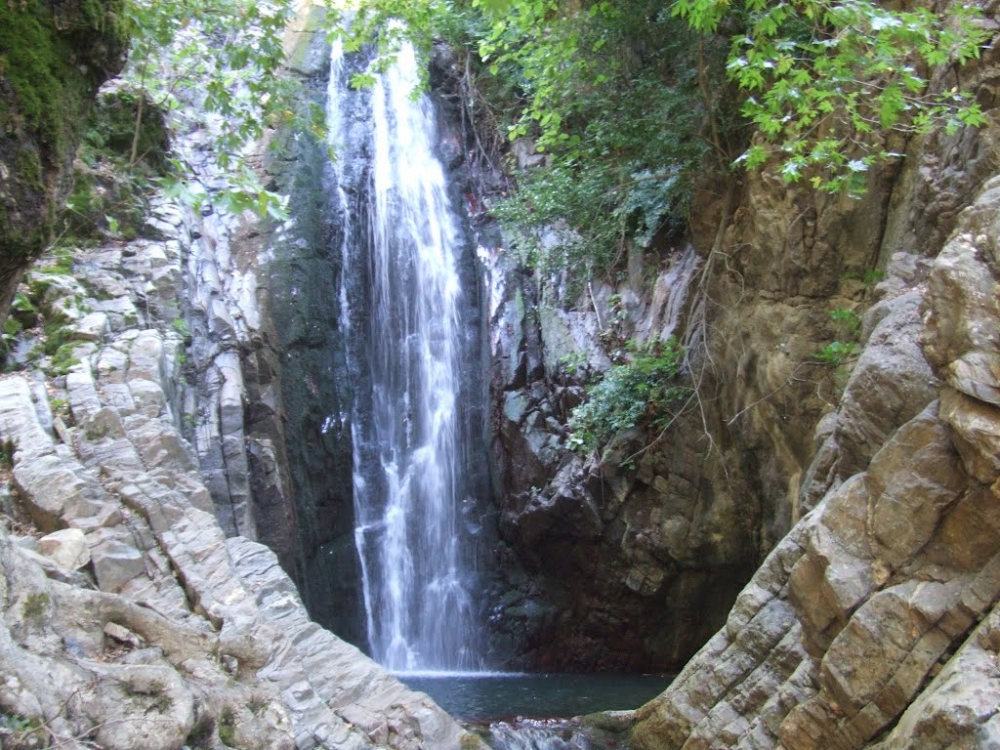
x=686 y=516
x=301 y=400
x=610 y=567
x=271 y=393
x=872 y=624
x=56 y=56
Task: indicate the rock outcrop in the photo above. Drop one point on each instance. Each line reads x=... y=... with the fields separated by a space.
x=134 y=616
x=626 y=567
x=632 y=559
x=873 y=622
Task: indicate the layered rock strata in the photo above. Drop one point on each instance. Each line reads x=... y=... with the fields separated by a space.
x=872 y=624
x=138 y=617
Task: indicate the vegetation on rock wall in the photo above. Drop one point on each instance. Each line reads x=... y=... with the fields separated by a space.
x=629 y=106
x=227 y=50
x=639 y=392
x=611 y=99
x=121 y=161
x=40 y=51
x=826 y=83
x=627 y=100
x=53 y=56
x=224 y=57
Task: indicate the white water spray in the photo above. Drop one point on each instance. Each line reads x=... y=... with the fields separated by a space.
x=407 y=483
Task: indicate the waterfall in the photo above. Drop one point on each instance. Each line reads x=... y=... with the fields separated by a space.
x=401 y=295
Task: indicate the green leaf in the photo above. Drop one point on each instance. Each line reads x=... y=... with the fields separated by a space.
x=791 y=171
x=494 y=7
x=362 y=81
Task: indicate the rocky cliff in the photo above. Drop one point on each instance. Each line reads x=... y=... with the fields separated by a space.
x=870 y=623
x=632 y=559
x=148 y=447
x=129 y=616
x=137 y=610
x=873 y=623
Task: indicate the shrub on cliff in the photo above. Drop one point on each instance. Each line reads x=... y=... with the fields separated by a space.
x=639 y=393
x=825 y=83
x=123 y=156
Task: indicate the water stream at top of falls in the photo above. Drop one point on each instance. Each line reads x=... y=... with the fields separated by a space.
x=402 y=299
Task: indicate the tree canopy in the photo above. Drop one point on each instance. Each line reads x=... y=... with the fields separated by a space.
x=629 y=101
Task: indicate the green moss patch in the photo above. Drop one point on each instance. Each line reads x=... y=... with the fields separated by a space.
x=63 y=360
x=52 y=61
x=38 y=69
x=53 y=57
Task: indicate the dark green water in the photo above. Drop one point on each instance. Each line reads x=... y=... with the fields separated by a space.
x=486 y=697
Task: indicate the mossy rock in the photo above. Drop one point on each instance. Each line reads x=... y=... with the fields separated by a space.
x=125 y=148
x=24 y=311
x=64 y=357
x=124 y=118
x=226 y=725
x=12 y=327
x=60 y=340
x=54 y=54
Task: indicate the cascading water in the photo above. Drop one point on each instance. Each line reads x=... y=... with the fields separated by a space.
x=402 y=296
x=415 y=361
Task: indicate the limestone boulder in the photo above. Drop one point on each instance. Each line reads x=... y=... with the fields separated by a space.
x=116 y=559
x=962 y=305
x=890 y=383
x=145 y=705
x=976 y=429
x=912 y=483
x=67 y=548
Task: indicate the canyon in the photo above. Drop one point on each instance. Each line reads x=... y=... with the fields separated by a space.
x=813 y=544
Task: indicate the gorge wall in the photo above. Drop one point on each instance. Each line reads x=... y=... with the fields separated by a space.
x=872 y=624
x=299 y=385
x=56 y=55
x=136 y=608
x=603 y=566
x=192 y=410
x=634 y=565
x=127 y=610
